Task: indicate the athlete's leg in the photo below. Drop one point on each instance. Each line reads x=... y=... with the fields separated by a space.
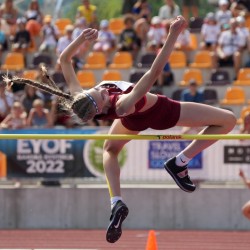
x=246 y=210
x=110 y=157
x=215 y=121
x=119 y=209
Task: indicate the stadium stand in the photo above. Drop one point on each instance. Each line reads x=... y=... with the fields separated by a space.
x=86 y=78
x=121 y=60
x=116 y=25
x=195 y=24
x=185 y=65
x=112 y=75
x=176 y=95
x=146 y=60
x=42 y=58
x=58 y=77
x=191 y=74
x=14 y=61
x=30 y=74
x=202 y=59
x=95 y=60
x=219 y=77
x=61 y=23
x=234 y=96
x=178 y=59
x=211 y=96
x=193 y=42
x=135 y=76
x=243 y=77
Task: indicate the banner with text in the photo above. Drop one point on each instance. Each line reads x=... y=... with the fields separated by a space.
x=139 y=160
x=45 y=158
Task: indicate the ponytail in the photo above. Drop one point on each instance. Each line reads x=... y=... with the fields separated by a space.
x=80 y=104
x=49 y=87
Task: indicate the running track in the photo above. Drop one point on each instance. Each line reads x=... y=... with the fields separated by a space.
x=131 y=240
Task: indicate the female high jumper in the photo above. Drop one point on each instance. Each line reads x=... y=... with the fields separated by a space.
x=135 y=109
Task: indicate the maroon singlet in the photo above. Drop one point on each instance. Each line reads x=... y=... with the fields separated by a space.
x=163 y=115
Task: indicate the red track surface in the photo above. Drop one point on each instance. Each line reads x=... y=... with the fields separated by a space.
x=130 y=240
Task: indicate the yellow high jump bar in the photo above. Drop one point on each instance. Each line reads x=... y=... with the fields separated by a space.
x=123 y=137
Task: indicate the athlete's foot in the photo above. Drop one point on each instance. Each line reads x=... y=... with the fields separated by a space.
x=118 y=215
x=180 y=175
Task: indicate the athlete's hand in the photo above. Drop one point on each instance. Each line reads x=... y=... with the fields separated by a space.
x=178 y=24
x=90 y=34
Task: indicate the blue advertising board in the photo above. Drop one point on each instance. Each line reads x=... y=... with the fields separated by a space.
x=45 y=158
x=161 y=151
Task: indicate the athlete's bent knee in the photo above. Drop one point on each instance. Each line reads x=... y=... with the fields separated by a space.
x=111 y=147
x=230 y=121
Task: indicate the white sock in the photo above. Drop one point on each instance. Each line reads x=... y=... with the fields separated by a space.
x=114 y=199
x=181 y=160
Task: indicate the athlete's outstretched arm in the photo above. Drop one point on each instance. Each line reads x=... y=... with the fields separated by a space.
x=149 y=78
x=66 y=57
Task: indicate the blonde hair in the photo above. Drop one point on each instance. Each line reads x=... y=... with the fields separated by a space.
x=83 y=107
